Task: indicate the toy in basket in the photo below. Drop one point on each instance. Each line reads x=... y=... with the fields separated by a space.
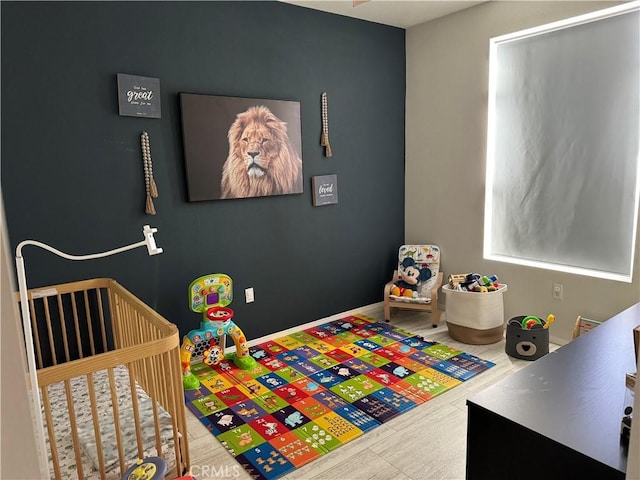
x=210 y=296
x=473 y=282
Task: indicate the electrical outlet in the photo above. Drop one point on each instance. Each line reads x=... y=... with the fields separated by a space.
x=557 y=291
x=248 y=295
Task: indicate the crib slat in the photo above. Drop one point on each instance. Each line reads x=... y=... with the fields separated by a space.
x=101 y=315
x=135 y=326
x=119 y=323
x=52 y=436
x=116 y=418
x=161 y=384
x=127 y=331
x=163 y=394
x=152 y=391
x=74 y=309
x=96 y=424
x=74 y=429
x=178 y=441
x=34 y=328
x=136 y=411
x=139 y=335
x=47 y=316
x=179 y=409
x=146 y=333
x=126 y=323
x=116 y=328
x=88 y=313
x=175 y=369
x=64 y=328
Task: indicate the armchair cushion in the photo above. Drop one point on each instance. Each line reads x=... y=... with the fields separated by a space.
x=417 y=273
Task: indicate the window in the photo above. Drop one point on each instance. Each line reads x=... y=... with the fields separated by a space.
x=563 y=166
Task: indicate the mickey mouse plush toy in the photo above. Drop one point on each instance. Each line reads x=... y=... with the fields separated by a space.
x=411 y=277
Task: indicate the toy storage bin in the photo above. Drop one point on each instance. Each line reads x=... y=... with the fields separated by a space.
x=475 y=318
x=526 y=344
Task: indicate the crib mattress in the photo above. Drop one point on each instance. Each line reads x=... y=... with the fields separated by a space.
x=84 y=424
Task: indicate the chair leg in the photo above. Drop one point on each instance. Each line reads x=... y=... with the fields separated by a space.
x=389 y=312
x=435 y=315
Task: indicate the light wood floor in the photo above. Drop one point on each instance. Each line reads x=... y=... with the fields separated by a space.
x=425 y=443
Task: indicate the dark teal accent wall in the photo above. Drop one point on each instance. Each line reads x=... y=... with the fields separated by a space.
x=72 y=168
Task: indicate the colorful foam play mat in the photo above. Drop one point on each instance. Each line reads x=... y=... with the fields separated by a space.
x=319 y=388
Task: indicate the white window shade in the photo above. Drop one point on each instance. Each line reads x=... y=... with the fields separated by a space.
x=563 y=145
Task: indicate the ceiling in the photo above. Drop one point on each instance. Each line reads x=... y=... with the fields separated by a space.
x=397 y=13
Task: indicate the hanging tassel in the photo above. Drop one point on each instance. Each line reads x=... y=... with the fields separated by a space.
x=151 y=188
x=150 y=208
x=324 y=138
x=146 y=153
x=327 y=149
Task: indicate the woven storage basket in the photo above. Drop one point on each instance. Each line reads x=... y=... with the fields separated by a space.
x=475 y=318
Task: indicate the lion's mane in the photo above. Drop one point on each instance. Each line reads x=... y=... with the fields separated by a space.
x=261 y=159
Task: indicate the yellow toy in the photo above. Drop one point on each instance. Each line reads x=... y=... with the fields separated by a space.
x=151 y=468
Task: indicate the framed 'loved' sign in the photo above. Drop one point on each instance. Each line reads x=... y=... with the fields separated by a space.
x=325 y=190
x=138 y=96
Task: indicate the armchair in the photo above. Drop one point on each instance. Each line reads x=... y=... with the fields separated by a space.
x=415 y=284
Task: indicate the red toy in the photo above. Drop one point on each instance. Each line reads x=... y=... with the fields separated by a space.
x=531 y=322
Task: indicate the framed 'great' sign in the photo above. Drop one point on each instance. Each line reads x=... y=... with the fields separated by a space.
x=138 y=96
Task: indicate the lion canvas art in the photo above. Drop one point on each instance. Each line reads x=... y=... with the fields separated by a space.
x=261 y=159
x=241 y=147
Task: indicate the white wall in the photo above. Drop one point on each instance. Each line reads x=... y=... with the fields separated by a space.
x=633 y=463
x=446 y=119
x=18 y=453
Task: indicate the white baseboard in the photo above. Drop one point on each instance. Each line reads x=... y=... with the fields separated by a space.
x=364 y=310
x=558 y=340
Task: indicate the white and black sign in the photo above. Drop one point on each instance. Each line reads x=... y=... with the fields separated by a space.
x=325 y=190
x=138 y=96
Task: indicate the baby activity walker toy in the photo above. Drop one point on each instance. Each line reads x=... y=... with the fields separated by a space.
x=211 y=295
